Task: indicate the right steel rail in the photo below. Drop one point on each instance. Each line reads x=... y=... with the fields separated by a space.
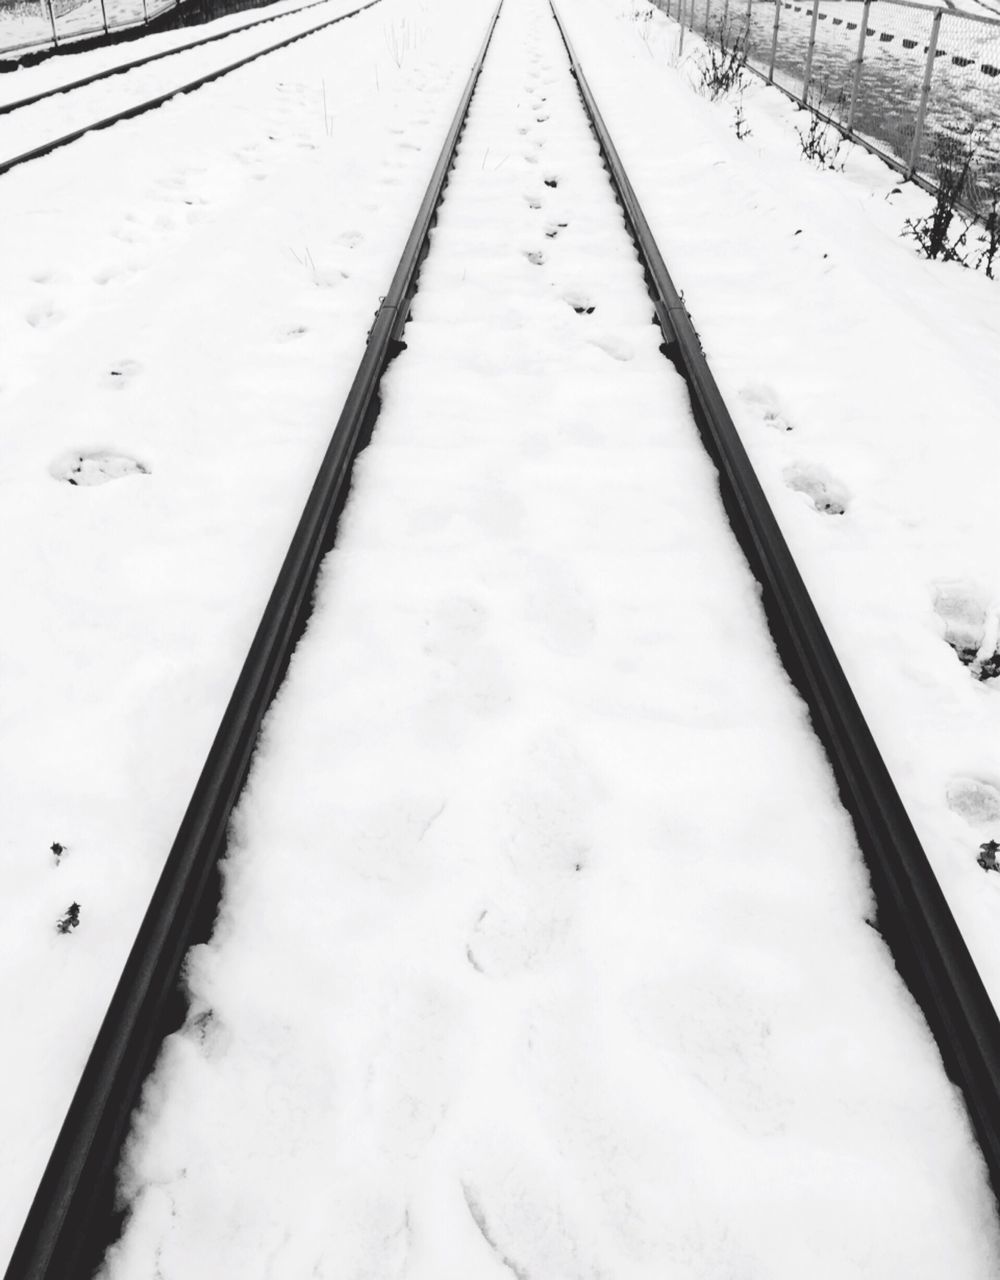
x=913 y=915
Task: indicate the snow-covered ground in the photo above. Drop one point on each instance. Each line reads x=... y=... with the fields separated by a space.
x=190 y=291
x=184 y=301
x=50 y=73
x=29 y=127
x=862 y=378
x=543 y=946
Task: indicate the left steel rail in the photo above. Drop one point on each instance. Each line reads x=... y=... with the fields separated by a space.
x=70 y=1220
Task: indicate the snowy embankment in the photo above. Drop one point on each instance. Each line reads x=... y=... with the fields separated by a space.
x=52 y=72
x=184 y=296
x=543 y=946
x=33 y=126
x=864 y=381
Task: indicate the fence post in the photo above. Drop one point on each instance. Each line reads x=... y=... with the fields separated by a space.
x=749 y=22
x=809 y=56
x=104 y=16
x=708 y=5
x=691 y=26
x=858 y=63
x=925 y=93
x=47 y=5
x=680 y=19
x=774 y=41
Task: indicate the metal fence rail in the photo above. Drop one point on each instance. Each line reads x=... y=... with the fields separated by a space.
x=31 y=25
x=916 y=83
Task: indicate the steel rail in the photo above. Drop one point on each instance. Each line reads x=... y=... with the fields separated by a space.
x=913 y=916
x=121 y=67
x=150 y=104
x=67 y=1222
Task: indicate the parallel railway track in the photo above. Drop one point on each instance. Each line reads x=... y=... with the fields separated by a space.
x=70 y=1221
x=145 y=102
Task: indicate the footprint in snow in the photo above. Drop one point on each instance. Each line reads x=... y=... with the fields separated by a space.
x=99 y=467
x=43 y=316
x=580 y=303
x=765 y=400
x=971 y=627
x=535 y=257
x=826 y=494
x=975 y=800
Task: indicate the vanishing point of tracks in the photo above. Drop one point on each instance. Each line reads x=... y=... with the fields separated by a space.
x=70 y=1220
x=139 y=105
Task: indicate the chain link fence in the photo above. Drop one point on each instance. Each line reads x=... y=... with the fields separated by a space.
x=35 y=24
x=917 y=84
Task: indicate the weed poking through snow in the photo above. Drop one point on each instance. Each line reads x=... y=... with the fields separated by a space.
x=988 y=856
x=722 y=67
x=740 y=126
x=69 y=920
x=935 y=234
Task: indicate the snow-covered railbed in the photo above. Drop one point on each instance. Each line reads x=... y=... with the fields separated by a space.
x=184 y=301
x=50 y=73
x=53 y=117
x=543 y=946
x=863 y=381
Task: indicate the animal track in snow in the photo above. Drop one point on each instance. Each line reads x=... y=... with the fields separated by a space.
x=552 y=182
x=971 y=627
x=580 y=303
x=826 y=494
x=553 y=229
x=43 y=316
x=975 y=800
x=765 y=400
x=533 y=202
x=87 y=469
x=535 y=257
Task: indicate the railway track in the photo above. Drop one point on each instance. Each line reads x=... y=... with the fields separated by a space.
x=36 y=125
x=71 y=1219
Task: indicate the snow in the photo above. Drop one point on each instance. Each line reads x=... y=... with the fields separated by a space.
x=194 y=299
x=543 y=947
x=24 y=130
x=50 y=73
x=846 y=361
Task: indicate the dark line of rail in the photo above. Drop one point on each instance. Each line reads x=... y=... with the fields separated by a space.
x=63 y=1231
x=913 y=915
x=62 y=1226
x=140 y=108
x=121 y=67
